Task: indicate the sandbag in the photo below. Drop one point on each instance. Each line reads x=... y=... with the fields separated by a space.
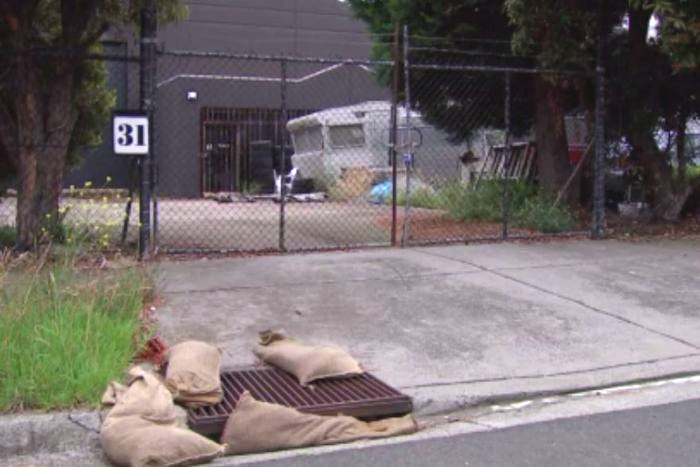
x=113 y=393
x=145 y=396
x=307 y=362
x=141 y=427
x=135 y=442
x=256 y=426
x=192 y=373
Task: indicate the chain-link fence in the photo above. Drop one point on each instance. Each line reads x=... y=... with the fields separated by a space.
x=282 y=153
x=254 y=153
x=258 y=153
x=478 y=169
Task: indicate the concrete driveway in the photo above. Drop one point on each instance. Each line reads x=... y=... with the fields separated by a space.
x=457 y=325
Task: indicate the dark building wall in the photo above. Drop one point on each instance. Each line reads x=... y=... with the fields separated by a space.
x=275 y=27
x=178 y=145
x=99 y=162
x=316 y=28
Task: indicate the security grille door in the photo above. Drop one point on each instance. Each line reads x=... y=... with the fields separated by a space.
x=221 y=161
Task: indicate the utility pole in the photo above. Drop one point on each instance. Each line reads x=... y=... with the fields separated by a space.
x=598 y=230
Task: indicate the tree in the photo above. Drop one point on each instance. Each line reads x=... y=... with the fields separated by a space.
x=454 y=101
x=673 y=58
x=52 y=99
x=652 y=83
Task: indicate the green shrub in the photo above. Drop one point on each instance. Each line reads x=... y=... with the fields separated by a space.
x=421 y=197
x=485 y=201
x=475 y=203
x=540 y=213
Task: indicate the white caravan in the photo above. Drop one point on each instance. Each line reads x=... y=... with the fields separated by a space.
x=330 y=141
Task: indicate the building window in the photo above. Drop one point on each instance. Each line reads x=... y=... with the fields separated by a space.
x=309 y=139
x=347 y=136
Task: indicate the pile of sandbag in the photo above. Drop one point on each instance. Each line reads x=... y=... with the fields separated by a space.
x=192 y=373
x=141 y=427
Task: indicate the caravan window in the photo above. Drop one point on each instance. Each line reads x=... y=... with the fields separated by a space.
x=308 y=139
x=347 y=136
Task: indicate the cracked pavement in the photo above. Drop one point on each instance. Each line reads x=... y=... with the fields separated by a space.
x=459 y=325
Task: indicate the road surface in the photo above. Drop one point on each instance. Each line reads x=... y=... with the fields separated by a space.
x=665 y=435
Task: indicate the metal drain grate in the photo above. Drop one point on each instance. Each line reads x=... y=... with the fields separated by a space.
x=362 y=396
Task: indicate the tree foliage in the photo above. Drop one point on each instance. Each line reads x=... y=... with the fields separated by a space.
x=53 y=100
x=679 y=29
x=473 y=32
x=458 y=102
x=652 y=81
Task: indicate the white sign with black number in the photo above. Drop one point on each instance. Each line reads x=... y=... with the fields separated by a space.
x=130 y=134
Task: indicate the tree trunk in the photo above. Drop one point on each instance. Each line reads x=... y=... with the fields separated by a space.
x=40 y=183
x=668 y=193
x=552 y=149
x=41 y=136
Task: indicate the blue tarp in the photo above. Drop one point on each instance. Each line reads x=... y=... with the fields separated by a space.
x=381 y=192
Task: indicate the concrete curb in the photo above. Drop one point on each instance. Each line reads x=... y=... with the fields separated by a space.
x=57 y=438
x=437 y=399
x=26 y=439
x=71 y=438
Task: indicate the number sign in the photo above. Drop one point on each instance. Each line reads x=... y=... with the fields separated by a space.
x=130 y=134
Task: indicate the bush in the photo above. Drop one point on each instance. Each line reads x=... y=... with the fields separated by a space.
x=541 y=214
x=421 y=197
x=485 y=203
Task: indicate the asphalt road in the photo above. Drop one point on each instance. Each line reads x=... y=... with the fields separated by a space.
x=664 y=435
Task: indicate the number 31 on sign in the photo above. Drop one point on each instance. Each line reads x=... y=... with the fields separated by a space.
x=130 y=134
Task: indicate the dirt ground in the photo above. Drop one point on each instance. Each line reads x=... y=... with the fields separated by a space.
x=187 y=225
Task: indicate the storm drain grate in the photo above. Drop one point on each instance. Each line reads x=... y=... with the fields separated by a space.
x=362 y=396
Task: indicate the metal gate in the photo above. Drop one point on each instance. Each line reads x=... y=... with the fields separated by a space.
x=221 y=158
x=313 y=154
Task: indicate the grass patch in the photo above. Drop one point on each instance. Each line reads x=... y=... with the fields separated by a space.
x=65 y=333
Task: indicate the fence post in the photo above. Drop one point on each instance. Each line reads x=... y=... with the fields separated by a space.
x=147 y=81
x=393 y=124
x=506 y=160
x=283 y=151
x=598 y=230
x=408 y=156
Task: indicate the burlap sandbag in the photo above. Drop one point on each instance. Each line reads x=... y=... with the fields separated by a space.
x=307 y=362
x=144 y=396
x=140 y=430
x=193 y=373
x=135 y=442
x=256 y=426
x=113 y=393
